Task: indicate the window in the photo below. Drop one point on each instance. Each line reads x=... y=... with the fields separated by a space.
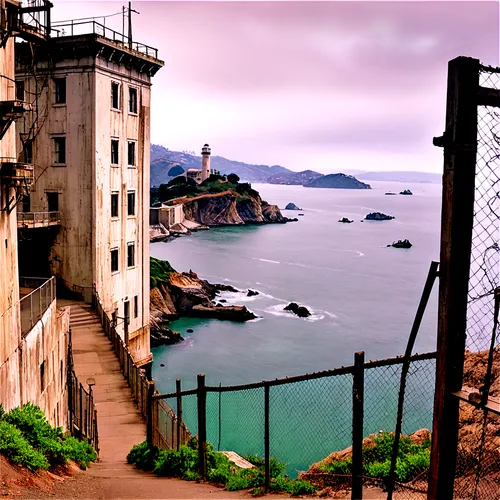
x=60 y=150
x=60 y=90
x=114 y=151
x=42 y=376
x=52 y=202
x=131 y=254
x=28 y=151
x=136 y=306
x=131 y=153
x=132 y=100
x=126 y=311
x=26 y=203
x=115 y=95
x=131 y=203
x=114 y=260
x=114 y=204
x=20 y=90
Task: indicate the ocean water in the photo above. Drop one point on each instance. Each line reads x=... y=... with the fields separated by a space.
x=363 y=296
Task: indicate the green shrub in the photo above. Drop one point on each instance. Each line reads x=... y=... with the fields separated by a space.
x=18 y=450
x=143 y=456
x=79 y=451
x=160 y=271
x=342 y=467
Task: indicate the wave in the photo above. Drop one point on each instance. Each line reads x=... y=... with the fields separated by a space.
x=266 y=260
x=277 y=310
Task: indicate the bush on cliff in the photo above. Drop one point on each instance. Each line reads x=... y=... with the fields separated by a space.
x=27 y=439
x=220 y=470
x=160 y=271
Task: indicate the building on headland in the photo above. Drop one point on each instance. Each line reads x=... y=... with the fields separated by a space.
x=89 y=141
x=33 y=331
x=199 y=175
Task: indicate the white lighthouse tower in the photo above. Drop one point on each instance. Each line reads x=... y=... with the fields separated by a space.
x=205 y=162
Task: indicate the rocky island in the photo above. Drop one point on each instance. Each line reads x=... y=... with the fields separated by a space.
x=406 y=192
x=379 y=216
x=337 y=181
x=401 y=244
x=175 y=294
x=345 y=220
x=292 y=206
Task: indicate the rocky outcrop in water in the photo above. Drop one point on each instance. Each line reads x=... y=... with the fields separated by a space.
x=379 y=216
x=300 y=311
x=337 y=181
x=345 y=220
x=251 y=293
x=406 y=192
x=401 y=244
x=292 y=206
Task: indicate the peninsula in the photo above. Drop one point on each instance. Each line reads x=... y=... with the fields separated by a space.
x=337 y=181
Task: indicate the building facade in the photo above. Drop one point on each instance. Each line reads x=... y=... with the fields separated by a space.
x=90 y=149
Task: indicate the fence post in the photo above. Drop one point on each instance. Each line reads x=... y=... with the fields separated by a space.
x=202 y=426
x=358 y=389
x=179 y=411
x=81 y=411
x=96 y=434
x=149 y=422
x=266 y=437
x=457 y=218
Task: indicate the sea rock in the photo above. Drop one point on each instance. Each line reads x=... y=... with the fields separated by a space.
x=379 y=216
x=162 y=335
x=401 y=244
x=251 y=293
x=189 y=330
x=292 y=206
x=390 y=193
x=222 y=300
x=300 y=311
x=406 y=192
x=232 y=313
x=300 y=215
x=345 y=220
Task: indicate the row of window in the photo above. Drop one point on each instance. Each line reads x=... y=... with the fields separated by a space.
x=115 y=152
x=115 y=267
x=126 y=311
x=115 y=203
x=60 y=94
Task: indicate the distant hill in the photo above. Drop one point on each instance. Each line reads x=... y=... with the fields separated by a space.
x=163 y=159
x=337 y=181
x=294 y=178
x=401 y=176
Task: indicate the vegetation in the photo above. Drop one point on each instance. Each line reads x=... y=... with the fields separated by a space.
x=412 y=459
x=220 y=470
x=160 y=271
x=27 y=439
x=175 y=171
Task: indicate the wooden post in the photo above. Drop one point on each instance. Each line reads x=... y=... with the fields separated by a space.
x=202 y=426
x=179 y=411
x=457 y=217
x=150 y=416
x=358 y=389
x=266 y=437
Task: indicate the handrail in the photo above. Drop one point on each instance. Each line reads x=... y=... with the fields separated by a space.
x=34 y=305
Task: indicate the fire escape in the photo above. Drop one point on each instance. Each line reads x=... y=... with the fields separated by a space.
x=32 y=23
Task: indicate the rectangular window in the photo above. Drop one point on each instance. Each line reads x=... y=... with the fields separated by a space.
x=52 y=202
x=114 y=260
x=131 y=254
x=114 y=204
x=60 y=90
x=26 y=203
x=59 y=150
x=20 y=90
x=28 y=151
x=132 y=100
x=126 y=311
x=131 y=153
x=115 y=145
x=131 y=203
x=42 y=376
x=136 y=306
x=115 y=95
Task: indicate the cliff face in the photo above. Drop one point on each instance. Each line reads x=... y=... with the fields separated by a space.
x=230 y=208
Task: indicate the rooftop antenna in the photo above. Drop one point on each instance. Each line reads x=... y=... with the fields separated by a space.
x=130 y=10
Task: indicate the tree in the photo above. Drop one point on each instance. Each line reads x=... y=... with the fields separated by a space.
x=233 y=179
x=175 y=171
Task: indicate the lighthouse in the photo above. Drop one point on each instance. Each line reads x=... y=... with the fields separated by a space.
x=205 y=162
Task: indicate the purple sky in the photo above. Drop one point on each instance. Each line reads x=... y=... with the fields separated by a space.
x=324 y=85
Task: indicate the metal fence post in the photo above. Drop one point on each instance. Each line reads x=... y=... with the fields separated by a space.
x=457 y=218
x=81 y=411
x=358 y=389
x=149 y=422
x=202 y=426
x=179 y=411
x=266 y=437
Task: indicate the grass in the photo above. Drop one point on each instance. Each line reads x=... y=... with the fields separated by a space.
x=412 y=459
x=220 y=470
x=160 y=271
x=28 y=439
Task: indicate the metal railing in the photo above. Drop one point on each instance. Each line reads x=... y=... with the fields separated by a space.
x=38 y=219
x=73 y=28
x=34 y=304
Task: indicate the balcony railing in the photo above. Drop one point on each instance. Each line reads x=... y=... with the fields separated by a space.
x=73 y=28
x=38 y=219
x=34 y=304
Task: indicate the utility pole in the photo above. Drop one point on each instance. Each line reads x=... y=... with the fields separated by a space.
x=130 y=10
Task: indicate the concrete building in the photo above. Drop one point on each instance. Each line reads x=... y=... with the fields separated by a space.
x=90 y=148
x=33 y=332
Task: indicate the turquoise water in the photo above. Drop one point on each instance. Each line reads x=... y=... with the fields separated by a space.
x=363 y=296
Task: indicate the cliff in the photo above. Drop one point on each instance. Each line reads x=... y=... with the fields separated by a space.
x=337 y=181
x=175 y=294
